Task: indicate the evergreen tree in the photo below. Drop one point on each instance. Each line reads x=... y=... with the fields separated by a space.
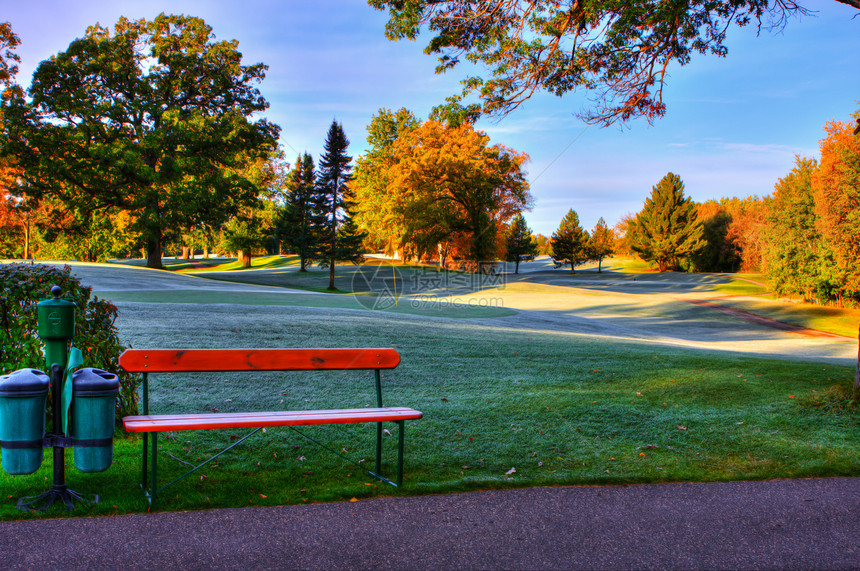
x=296 y=219
x=601 y=243
x=569 y=243
x=521 y=245
x=338 y=236
x=667 y=230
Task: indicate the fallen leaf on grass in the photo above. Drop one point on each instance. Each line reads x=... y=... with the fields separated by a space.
x=682 y=428
x=262 y=496
x=353 y=500
x=511 y=471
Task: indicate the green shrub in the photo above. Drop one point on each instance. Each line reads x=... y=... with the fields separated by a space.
x=23 y=286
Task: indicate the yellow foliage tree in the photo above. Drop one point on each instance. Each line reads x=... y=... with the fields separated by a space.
x=446 y=185
x=836 y=187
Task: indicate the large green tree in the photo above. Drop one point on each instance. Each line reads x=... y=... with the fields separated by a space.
x=520 y=244
x=569 y=243
x=667 y=230
x=153 y=117
x=338 y=236
x=619 y=51
x=798 y=260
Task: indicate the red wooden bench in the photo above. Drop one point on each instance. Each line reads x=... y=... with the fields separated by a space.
x=148 y=361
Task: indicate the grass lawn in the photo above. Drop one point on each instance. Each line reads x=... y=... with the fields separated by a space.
x=502 y=409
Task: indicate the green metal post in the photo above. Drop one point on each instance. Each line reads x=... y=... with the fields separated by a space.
x=378 y=424
x=145 y=434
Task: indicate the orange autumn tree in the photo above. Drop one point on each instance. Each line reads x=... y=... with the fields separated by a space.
x=836 y=188
x=447 y=190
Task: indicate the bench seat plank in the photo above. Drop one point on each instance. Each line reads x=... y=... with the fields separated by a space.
x=168 y=422
x=206 y=360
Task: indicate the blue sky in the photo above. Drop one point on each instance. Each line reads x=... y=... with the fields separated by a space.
x=733 y=125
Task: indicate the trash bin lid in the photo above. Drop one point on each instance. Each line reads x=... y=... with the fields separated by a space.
x=24 y=382
x=92 y=382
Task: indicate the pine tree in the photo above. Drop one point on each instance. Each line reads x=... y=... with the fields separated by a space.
x=569 y=243
x=667 y=229
x=601 y=243
x=296 y=220
x=521 y=245
x=338 y=236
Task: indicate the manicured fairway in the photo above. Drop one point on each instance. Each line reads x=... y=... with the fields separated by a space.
x=504 y=404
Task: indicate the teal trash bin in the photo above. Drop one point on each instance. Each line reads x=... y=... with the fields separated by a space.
x=91 y=418
x=23 y=394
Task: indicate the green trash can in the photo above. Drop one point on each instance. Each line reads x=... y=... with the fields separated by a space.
x=23 y=394
x=91 y=418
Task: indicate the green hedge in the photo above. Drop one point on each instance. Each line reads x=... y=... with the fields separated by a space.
x=24 y=286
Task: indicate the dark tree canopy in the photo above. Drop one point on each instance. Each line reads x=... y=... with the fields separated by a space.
x=8 y=58
x=617 y=50
x=153 y=117
x=296 y=219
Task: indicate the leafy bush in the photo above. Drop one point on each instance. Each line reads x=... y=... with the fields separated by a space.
x=23 y=286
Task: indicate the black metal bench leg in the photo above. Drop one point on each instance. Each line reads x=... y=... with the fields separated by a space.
x=379 y=448
x=154 y=493
x=401 y=437
x=144 y=465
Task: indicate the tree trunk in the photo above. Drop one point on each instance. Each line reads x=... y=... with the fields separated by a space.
x=153 y=251
x=186 y=253
x=599 y=263
x=244 y=258
x=517 y=267
x=27 y=239
x=331 y=275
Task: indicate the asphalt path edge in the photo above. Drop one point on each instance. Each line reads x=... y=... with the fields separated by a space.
x=779 y=524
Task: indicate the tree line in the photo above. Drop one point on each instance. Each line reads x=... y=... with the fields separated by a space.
x=805 y=236
x=145 y=136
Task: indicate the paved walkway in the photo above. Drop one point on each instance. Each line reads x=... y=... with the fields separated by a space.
x=784 y=524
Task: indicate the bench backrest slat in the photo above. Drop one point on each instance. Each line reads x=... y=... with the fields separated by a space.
x=190 y=360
